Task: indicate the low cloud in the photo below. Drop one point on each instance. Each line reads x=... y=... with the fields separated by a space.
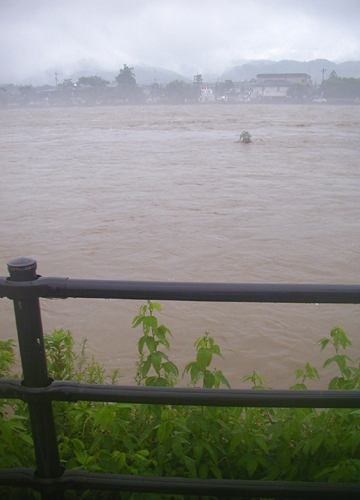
x=180 y=35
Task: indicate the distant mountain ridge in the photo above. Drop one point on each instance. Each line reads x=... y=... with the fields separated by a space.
x=315 y=68
x=146 y=75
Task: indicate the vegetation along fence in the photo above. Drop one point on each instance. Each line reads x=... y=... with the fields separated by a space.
x=25 y=287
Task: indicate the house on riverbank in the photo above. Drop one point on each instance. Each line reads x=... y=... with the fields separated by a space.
x=277 y=85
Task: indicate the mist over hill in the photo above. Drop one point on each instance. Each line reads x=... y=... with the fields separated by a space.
x=246 y=71
x=315 y=68
x=145 y=75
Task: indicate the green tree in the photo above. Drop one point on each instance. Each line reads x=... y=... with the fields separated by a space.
x=128 y=91
x=341 y=88
x=126 y=77
x=298 y=91
x=179 y=92
x=26 y=89
x=93 y=81
x=68 y=84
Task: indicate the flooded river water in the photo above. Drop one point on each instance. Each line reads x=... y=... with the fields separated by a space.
x=167 y=193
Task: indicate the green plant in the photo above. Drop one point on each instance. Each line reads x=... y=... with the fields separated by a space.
x=153 y=337
x=310 y=372
x=7 y=357
x=285 y=444
x=65 y=364
x=60 y=353
x=257 y=380
x=350 y=375
x=245 y=137
x=16 y=444
x=205 y=348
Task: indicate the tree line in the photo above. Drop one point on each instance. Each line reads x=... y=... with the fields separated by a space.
x=96 y=90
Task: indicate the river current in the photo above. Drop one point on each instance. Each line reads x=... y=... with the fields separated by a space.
x=167 y=193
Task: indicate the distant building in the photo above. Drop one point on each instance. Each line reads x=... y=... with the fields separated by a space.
x=278 y=84
x=293 y=78
x=206 y=95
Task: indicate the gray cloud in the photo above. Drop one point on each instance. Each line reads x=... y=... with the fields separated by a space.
x=181 y=35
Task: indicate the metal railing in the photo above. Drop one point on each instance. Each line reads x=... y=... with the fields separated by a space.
x=25 y=287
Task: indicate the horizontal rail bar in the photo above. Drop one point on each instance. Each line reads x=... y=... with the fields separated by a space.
x=235 y=489
x=76 y=391
x=63 y=288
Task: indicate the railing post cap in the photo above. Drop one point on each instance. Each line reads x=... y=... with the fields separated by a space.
x=22 y=269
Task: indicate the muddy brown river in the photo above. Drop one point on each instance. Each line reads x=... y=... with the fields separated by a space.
x=167 y=193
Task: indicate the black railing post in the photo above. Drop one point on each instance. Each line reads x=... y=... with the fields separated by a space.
x=35 y=374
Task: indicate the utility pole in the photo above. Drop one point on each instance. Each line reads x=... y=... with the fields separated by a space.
x=323 y=73
x=56 y=79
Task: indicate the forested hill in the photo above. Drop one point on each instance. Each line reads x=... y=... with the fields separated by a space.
x=316 y=69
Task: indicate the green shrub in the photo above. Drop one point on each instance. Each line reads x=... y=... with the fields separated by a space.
x=195 y=442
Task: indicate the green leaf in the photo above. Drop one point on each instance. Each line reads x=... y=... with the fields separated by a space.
x=334 y=383
x=150 y=381
x=164 y=330
x=137 y=320
x=235 y=441
x=151 y=344
x=146 y=367
x=323 y=343
x=284 y=457
x=163 y=355
x=141 y=344
x=221 y=378
x=210 y=449
x=26 y=438
x=161 y=432
x=198 y=451
x=298 y=387
x=151 y=322
x=203 y=358
x=161 y=382
x=78 y=445
x=155 y=305
x=156 y=361
x=316 y=443
x=328 y=362
x=340 y=360
x=215 y=349
x=251 y=466
x=195 y=370
x=209 y=380
x=260 y=441
x=120 y=459
x=141 y=457
x=160 y=334
x=188 y=367
x=340 y=337
x=216 y=471
x=171 y=368
x=177 y=447
x=190 y=465
x=203 y=471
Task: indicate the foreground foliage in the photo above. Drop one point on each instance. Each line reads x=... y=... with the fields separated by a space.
x=174 y=441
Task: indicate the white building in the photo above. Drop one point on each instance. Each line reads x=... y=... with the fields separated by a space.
x=206 y=95
x=278 y=84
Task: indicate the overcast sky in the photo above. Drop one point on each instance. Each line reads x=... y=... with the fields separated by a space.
x=208 y=36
